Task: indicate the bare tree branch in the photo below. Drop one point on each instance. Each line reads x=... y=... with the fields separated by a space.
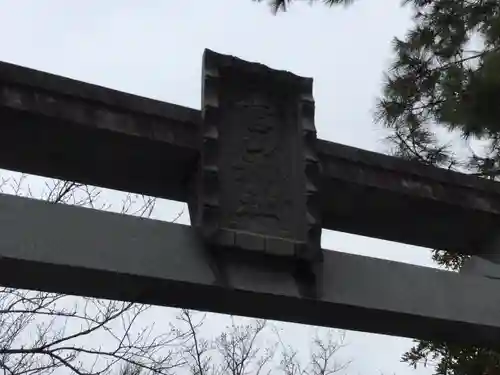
x=43 y=332
x=323 y=358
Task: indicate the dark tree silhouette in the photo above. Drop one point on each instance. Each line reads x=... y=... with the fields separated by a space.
x=445 y=80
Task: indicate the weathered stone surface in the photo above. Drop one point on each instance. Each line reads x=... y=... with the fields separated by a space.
x=380 y=196
x=260 y=172
x=58 y=127
x=99 y=136
x=259 y=190
x=107 y=255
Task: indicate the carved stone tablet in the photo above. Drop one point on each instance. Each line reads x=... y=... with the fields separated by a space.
x=258 y=188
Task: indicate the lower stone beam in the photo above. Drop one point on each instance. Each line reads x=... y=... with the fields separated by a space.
x=58 y=248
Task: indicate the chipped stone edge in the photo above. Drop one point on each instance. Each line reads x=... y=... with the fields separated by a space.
x=210 y=202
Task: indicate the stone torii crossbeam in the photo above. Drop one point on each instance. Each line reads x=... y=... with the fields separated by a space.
x=260 y=188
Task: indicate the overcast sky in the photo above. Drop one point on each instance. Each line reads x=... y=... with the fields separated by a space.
x=154 y=48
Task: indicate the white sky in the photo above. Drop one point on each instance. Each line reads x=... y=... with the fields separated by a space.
x=154 y=48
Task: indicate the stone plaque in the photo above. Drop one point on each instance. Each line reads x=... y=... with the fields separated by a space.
x=258 y=188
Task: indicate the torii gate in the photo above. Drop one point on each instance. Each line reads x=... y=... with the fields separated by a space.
x=260 y=188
